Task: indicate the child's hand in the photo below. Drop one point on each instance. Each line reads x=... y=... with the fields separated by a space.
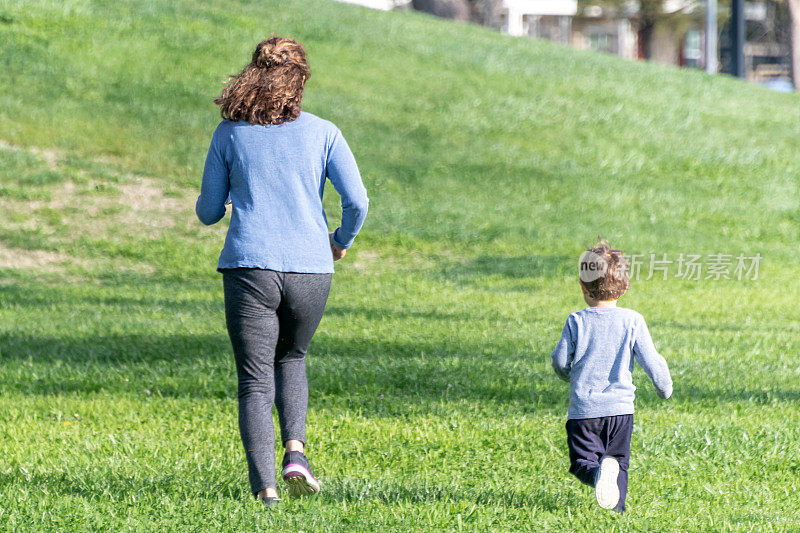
x=338 y=253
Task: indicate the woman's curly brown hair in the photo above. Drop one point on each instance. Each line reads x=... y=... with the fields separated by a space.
x=269 y=90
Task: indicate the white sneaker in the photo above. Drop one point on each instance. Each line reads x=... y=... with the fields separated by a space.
x=606 y=489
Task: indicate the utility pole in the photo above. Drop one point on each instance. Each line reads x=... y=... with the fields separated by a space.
x=711 y=36
x=737 y=38
x=794 y=10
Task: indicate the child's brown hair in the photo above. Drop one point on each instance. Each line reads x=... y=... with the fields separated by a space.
x=613 y=266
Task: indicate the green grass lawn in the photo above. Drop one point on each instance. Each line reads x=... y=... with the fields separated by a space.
x=490 y=162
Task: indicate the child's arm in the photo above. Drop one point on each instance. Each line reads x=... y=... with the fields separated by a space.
x=562 y=356
x=653 y=364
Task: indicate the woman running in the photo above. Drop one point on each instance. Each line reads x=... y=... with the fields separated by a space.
x=270 y=160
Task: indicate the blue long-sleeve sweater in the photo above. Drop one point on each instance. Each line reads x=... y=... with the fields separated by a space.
x=275 y=176
x=596 y=353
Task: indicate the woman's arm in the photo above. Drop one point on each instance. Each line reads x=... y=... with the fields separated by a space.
x=343 y=173
x=210 y=207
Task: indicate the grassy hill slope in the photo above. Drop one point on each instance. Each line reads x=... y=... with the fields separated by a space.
x=490 y=161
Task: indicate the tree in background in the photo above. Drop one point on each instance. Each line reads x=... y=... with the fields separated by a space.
x=650 y=11
x=485 y=12
x=449 y=9
x=649 y=15
x=646 y=15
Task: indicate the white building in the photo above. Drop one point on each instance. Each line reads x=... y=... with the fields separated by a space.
x=540 y=18
x=384 y=5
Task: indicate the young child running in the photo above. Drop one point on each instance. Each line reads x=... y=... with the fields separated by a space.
x=595 y=355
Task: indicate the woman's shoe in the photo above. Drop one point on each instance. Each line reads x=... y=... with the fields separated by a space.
x=271 y=502
x=297 y=474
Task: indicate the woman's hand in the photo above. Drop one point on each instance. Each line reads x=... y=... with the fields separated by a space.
x=338 y=253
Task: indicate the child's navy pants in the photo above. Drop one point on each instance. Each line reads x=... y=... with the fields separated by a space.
x=591 y=439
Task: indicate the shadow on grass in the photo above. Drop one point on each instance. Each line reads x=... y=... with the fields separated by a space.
x=344 y=489
x=756 y=327
x=380 y=379
x=108 y=486
x=159 y=294
x=476 y=270
x=713 y=396
x=111 y=487
x=419 y=369
x=366 y=374
x=375 y=313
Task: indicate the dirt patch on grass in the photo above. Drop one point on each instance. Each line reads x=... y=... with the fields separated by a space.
x=145 y=202
x=50 y=157
x=97 y=209
x=20 y=258
x=365 y=259
x=49 y=267
x=90 y=205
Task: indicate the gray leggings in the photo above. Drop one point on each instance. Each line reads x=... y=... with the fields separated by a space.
x=271 y=318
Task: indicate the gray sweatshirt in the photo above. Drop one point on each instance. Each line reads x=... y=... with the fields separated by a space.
x=596 y=353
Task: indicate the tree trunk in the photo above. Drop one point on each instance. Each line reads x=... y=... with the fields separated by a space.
x=794 y=11
x=646 y=31
x=486 y=12
x=449 y=9
x=649 y=13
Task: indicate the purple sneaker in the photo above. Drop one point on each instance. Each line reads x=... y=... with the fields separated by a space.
x=297 y=474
